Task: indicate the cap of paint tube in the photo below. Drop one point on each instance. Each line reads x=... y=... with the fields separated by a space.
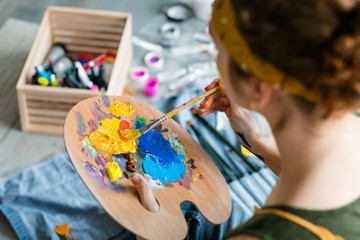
x=154 y=60
x=139 y=74
x=95 y=87
x=170 y=33
x=84 y=78
x=151 y=87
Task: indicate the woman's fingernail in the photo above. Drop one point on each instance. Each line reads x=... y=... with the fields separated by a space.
x=135 y=178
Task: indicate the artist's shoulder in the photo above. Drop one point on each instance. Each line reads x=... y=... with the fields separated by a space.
x=243 y=237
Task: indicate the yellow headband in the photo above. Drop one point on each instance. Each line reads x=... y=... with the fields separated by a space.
x=236 y=45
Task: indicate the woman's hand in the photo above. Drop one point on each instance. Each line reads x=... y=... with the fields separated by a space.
x=251 y=128
x=146 y=195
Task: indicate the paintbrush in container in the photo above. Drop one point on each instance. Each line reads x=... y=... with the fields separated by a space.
x=133 y=134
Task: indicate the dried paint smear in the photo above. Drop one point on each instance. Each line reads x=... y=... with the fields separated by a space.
x=162 y=161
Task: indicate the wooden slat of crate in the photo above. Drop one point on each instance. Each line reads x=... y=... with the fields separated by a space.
x=43 y=104
x=47 y=120
x=59 y=19
x=40 y=110
x=86 y=35
x=88 y=13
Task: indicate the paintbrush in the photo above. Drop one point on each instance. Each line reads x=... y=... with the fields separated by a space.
x=133 y=134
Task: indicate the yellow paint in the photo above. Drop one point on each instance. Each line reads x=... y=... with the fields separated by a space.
x=196 y=177
x=221 y=88
x=245 y=151
x=113 y=171
x=107 y=140
x=121 y=109
x=130 y=134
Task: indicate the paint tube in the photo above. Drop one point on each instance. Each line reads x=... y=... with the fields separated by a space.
x=97 y=62
x=147 y=45
x=181 y=82
x=172 y=75
x=53 y=80
x=70 y=81
x=61 y=66
x=183 y=76
x=55 y=54
x=202 y=37
x=42 y=73
x=84 y=78
x=191 y=50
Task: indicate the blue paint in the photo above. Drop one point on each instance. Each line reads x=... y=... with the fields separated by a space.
x=161 y=161
x=163 y=171
x=155 y=143
x=243 y=139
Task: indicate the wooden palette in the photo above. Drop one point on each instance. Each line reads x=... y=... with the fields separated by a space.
x=210 y=194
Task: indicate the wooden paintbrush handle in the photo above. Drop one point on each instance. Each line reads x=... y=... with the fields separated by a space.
x=191 y=102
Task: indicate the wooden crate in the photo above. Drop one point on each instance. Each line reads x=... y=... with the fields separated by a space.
x=44 y=109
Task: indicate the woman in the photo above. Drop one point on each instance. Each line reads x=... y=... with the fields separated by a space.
x=298 y=64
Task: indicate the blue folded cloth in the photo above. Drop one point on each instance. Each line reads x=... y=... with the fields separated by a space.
x=51 y=194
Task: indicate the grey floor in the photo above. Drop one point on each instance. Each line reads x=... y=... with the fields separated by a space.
x=19 y=20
